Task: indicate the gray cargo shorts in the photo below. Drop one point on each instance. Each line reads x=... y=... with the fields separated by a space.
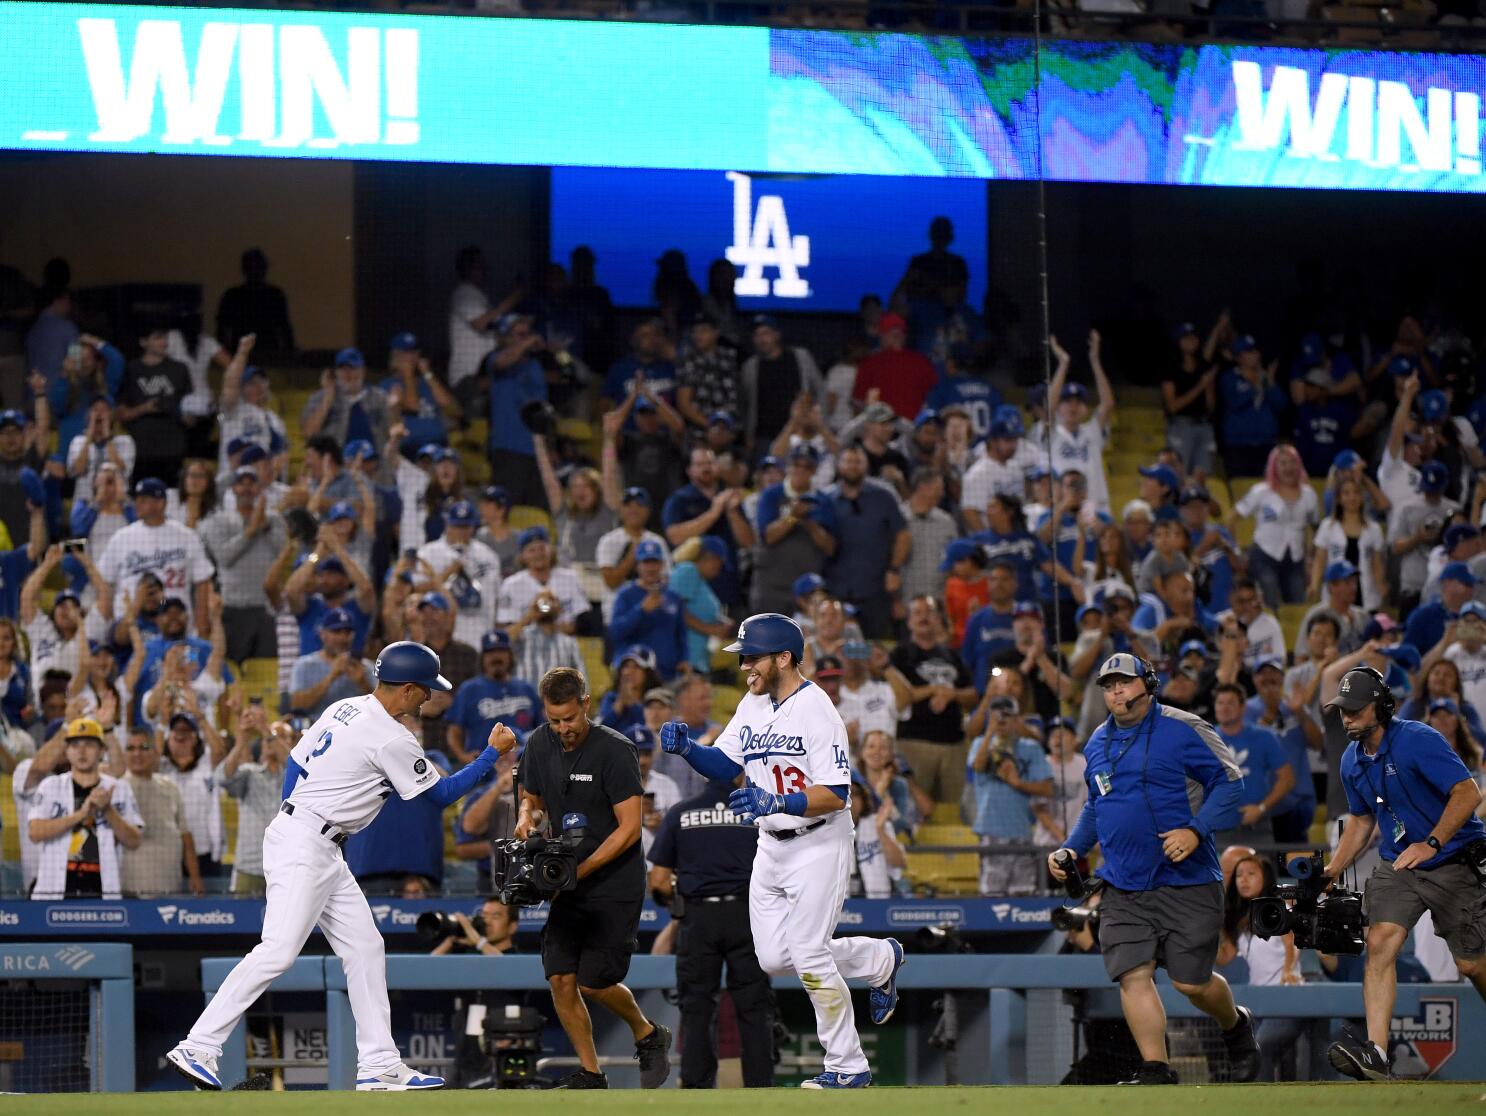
x=1451 y=893
x=1176 y=927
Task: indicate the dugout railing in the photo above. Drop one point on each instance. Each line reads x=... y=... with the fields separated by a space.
x=66 y=1017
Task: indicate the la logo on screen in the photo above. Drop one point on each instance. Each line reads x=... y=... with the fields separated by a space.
x=761 y=239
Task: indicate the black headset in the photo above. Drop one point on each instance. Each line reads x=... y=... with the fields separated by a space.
x=1148 y=675
x=1385 y=703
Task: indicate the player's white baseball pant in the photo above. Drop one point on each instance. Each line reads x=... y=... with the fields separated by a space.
x=794 y=902
x=308 y=882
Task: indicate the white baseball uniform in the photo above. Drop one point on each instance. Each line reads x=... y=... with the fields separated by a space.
x=799 y=884
x=172 y=552
x=354 y=756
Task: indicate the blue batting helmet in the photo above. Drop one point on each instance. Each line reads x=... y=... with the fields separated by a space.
x=768 y=633
x=407 y=661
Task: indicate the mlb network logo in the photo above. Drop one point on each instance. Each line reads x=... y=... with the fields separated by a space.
x=1423 y=1042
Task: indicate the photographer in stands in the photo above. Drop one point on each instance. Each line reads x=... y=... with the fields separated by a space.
x=1163 y=895
x=1403 y=779
x=490 y=931
x=572 y=766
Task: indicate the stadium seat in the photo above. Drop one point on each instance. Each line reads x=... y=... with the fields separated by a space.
x=524 y=516
x=260 y=678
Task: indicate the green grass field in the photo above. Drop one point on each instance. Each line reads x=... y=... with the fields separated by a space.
x=1320 y=1099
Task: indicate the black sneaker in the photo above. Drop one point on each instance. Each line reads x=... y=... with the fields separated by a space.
x=1153 y=1073
x=1356 y=1057
x=653 y=1052
x=583 y=1079
x=1243 y=1048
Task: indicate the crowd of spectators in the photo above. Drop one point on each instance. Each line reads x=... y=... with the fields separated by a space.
x=959 y=562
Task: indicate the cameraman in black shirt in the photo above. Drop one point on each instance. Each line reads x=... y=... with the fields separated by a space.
x=571 y=766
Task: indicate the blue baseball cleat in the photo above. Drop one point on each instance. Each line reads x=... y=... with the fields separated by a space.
x=399 y=1079
x=196 y=1066
x=829 y=1080
x=884 y=999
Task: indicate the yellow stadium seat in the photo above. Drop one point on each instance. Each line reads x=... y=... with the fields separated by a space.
x=10 y=848
x=524 y=516
x=594 y=666
x=260 y=679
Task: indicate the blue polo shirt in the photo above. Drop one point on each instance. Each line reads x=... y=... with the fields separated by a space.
x=1219 y=568
x=315 y=608
x=1065 y=542
x=1297 y=753
x=406 y=837
x=1260 y=756
x=16 y=695
x=482 y=701
x=425 y=426
x=663 y=630
x=1251 y=416
x=659 y=374
x=1405 y=787
x=1137 y=779
x=987 y=634
x=1002 y=811
x=15 y=567
x=866 y=526
x=772 y=502
x=1026 y=549
x=511 y=389
x=684 y=505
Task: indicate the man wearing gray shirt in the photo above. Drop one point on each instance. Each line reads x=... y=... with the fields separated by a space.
x=257 y=785
x=244 y=537
x=932 y=529
x=331 y=674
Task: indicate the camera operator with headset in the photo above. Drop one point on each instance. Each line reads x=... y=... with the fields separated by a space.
x=1163 y=891
x=1403 y=778
x=572 y=766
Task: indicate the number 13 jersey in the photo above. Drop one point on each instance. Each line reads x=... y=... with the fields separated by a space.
x=797 y=744
x=354 y=756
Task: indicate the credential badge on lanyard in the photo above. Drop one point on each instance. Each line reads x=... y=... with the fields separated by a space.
x=1103 y=783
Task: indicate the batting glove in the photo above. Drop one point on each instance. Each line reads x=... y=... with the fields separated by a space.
x=675 y=738
x=751 y=803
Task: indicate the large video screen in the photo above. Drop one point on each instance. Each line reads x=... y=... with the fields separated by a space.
x=327 y=85
x=795 y=242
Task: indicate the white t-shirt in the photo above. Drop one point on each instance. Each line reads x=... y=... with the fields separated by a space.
x=1083 y=449
x=54 y=799
x=412 y=489
x=201 y=795
x=25 y=801
x=789 y=747
x=1472 y=667
x=198 y=364
x=1333 y=540
x=468 y=346
x=350 y=755
x=872 y=866
x=610 y=549
x=1265 y=957
x=840 y=381
x=1400 y=483
x=475 y=588
x=250 y=421
x=1070 y=792
x=521 y=588
x=667 y=794
x=872 y=707
x=82 y=448
x=989 y=477
x=171 y=551
x=49 y=652
x=1265 y=636
x=1279 y=525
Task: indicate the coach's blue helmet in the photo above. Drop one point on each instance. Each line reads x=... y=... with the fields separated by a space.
x=407 y=661
x=768 y=633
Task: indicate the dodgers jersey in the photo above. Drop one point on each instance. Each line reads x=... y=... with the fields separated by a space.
x=353 y=757
x=797 y=744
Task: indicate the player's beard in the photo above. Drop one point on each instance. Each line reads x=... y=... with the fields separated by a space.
x=763 y=676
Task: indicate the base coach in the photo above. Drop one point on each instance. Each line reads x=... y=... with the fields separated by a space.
x=709 y=851
x=1163 y=891
x=571 y=766
x=1403 y=778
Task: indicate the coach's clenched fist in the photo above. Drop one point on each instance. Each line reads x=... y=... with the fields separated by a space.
x=502 y=739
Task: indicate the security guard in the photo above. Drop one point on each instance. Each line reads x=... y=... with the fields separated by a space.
x=1404 y=778
x=1163 y=894
x=709 y=852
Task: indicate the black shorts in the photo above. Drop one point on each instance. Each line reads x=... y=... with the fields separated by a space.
x=1176 y=927
x=593 y=938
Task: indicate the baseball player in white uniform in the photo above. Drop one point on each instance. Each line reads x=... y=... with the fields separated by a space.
x=790 y=742
x=337 y=777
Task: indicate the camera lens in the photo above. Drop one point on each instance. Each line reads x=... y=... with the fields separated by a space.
x=551 y=872
x=1269 y=918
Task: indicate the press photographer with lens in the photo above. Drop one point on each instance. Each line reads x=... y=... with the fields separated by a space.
x=1163 y=892
x=572 y=766
x=1403 y=779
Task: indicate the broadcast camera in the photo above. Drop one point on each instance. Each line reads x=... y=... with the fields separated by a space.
x=526 y=873
x=1331 y=922
x=512 y=1038
x=1075 y=918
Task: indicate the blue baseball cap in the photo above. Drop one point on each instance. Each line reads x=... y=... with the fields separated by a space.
x=150 y=486
x=1163 y=473
x=957 y=551
x=253 y=372
x=1244 y=343
x=722 y=418
x=350 y=358
x=649 y=551
x=337 y=620
x=1402 y=365
x=1193 y=494
x=341 y=509
x=428 y=449
x=531 y=535
x=445 y=453
x=643 y=405
x=1026 y=608
x=1346 y=459
x=1432 y=405
x=1005 y=428
x=1444 y=705
x=252 y=455
x=1122 y=665
x=461 y=513
x=237 y=445
x=13 y=418
x=711 y=544
x=330 y=565
x=1270 y=660
x=1074 y=391
x=804 y=451
x=765 y=320
x=1457 y=533
x=495 y=640
x=1038 y=472
x=806 y=584
x=497 y=494
x=1405 y=655
x=1060 y=723
x=435 y=600
x=1433 y=476
x=360 y=447
x=634 y=494
x=1312 y=348
x=1184 y=328
x=1340 y=571
x=1084 y=610
x=642 y=738
x=769 y=461
x=641 y=655
x=927 y=415
x=1194 y=647
x=1473 y=608
x=66 y=595
x=404 y=342
x=1166 y=514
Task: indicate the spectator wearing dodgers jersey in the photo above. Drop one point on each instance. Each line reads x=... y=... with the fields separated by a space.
x=517 y=608
x=468 y=571
x=153 y=544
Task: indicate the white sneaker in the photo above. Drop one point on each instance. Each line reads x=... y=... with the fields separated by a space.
x=399 y=1079
x=196 y=1066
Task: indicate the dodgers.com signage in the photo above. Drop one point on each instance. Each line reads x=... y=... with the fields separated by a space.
x=77 y=77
